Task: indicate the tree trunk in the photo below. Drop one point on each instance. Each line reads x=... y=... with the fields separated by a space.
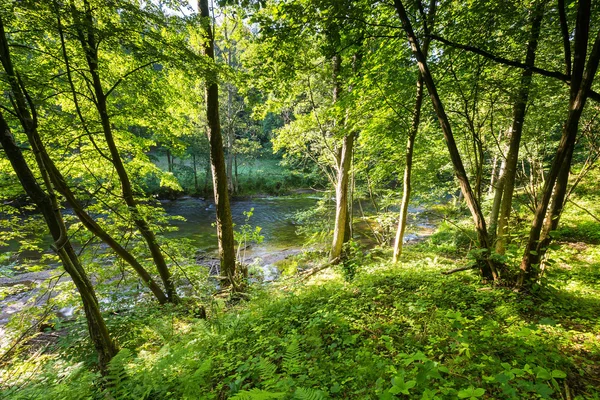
x=342 y=230
x=581 y=82
x=406 y=184
x=195 y=173
x=169 y=161
x=499 y=188
x=236 y=181
x=557 y=203
x=88 y=43
x=493 y=175
x=207 y=179
x=217 y=159
x=519 y=111
x=103 y=343
x=487 y=267
x=410 y=143
x=341 y=196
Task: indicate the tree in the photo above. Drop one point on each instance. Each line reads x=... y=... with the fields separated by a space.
x=217 y=157
x=55 y=177
x=487 y=266
x=506 y=182
x=583 y=72
x=410 y=143
x=85 y=31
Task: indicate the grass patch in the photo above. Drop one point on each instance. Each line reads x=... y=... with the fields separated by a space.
x=393 y=332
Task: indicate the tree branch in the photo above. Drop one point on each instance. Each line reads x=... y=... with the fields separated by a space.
x=512 y=63
x=125 y=76
x=460 y=269
x=564 y=28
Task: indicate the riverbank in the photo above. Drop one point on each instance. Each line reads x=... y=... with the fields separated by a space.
x=23 y=287
x=394 y=330
x=383 y=332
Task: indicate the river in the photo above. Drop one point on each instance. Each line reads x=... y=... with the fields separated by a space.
x=275 y=216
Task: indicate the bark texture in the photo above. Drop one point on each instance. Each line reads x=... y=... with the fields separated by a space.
x=217 y=157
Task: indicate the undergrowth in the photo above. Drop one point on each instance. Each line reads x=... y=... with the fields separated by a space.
x=402 y=331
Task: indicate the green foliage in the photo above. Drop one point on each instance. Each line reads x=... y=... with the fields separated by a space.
x=117 y=374
x=392 y=330
x=257 y=394
x=364 y=329
x=354 y=258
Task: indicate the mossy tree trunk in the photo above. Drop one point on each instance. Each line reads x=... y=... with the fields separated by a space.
x=217 y=157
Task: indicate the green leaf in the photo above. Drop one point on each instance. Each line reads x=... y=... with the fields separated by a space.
x=471 y=393
x=543 y=374
x=400 y=386
x=559 y=374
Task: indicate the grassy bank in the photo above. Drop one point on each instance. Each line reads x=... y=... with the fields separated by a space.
x=395 y=331
x=257 y=175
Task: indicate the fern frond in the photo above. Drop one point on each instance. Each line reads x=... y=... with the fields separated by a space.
x=191 y=383
x=117 y=375
x=257 y=394
x=308 y=394
x=291 y=359
x=268 y=373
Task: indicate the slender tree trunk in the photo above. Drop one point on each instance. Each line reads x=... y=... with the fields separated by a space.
x=224 y=222
x=349 y=232
x=487 y=267
x=581 y=82
x=342 y=229
x=195 y=172
x=499 y=188
x=494 y=175
x=105 y=347
x=406 y=184
x=348 y=223
x=519 y=111
x=88 y=43
x=341 y=195
x=410 y=143
x=207 y=176
x=169 y=161
x=236 y=181
x=557 y=202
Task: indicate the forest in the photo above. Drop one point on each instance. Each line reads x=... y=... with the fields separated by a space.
x=299 y=199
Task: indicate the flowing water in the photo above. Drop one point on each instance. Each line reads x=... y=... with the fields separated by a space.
x=275 y=216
